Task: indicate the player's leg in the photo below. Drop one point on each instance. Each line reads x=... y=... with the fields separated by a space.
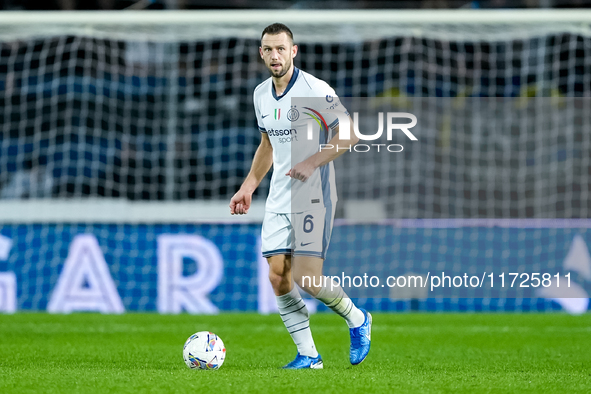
x=280 y=274
x=292 y=309
x=307 y=271
x=312 y=233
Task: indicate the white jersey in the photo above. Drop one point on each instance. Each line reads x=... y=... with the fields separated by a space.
x=286 y=125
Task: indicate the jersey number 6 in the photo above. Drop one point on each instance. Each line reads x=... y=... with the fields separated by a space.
x=308 y=224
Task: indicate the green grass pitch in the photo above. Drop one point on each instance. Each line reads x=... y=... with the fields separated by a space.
x=471 y=353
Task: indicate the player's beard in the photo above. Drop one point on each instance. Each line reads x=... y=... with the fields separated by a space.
x=281 y=72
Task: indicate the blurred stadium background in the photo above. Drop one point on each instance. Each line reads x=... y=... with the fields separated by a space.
x=124 y=135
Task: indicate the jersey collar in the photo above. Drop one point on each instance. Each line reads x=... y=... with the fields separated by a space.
x=294 y=76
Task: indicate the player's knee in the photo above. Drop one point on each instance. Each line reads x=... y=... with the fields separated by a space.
x=298 y=279
x=307 y=283
x=279 y=282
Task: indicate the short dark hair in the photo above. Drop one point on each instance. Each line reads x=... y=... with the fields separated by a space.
x=277 y=28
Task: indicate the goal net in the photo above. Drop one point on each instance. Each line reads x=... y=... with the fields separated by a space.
x=132 y=127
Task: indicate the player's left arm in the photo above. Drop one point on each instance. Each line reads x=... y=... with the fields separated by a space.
x=335 y=147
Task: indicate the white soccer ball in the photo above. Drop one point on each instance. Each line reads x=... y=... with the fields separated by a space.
x=204 y=350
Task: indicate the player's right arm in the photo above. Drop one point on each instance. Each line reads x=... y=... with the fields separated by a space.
x=261 y=164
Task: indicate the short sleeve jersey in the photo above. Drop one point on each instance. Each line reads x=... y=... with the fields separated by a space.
x=287 y=128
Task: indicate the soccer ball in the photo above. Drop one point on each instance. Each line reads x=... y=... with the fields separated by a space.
x=204 y=350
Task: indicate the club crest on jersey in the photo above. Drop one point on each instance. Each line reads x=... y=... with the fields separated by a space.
x=277 y=114
x=293 y=114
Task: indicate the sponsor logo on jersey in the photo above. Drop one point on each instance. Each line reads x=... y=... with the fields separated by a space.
x=285 y=135
x=281 y=132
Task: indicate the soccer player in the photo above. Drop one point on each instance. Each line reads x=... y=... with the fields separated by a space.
x=299 y=211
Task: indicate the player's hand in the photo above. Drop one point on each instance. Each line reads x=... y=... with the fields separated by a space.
x=302 y=171
x=240 y=202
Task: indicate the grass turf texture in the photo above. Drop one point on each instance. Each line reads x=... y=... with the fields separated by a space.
x=410 y=353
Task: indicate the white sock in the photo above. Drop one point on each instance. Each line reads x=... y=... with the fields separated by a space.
x=296 y=319
x=338 y=301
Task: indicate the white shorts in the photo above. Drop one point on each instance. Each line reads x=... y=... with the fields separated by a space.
x=306 y=233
